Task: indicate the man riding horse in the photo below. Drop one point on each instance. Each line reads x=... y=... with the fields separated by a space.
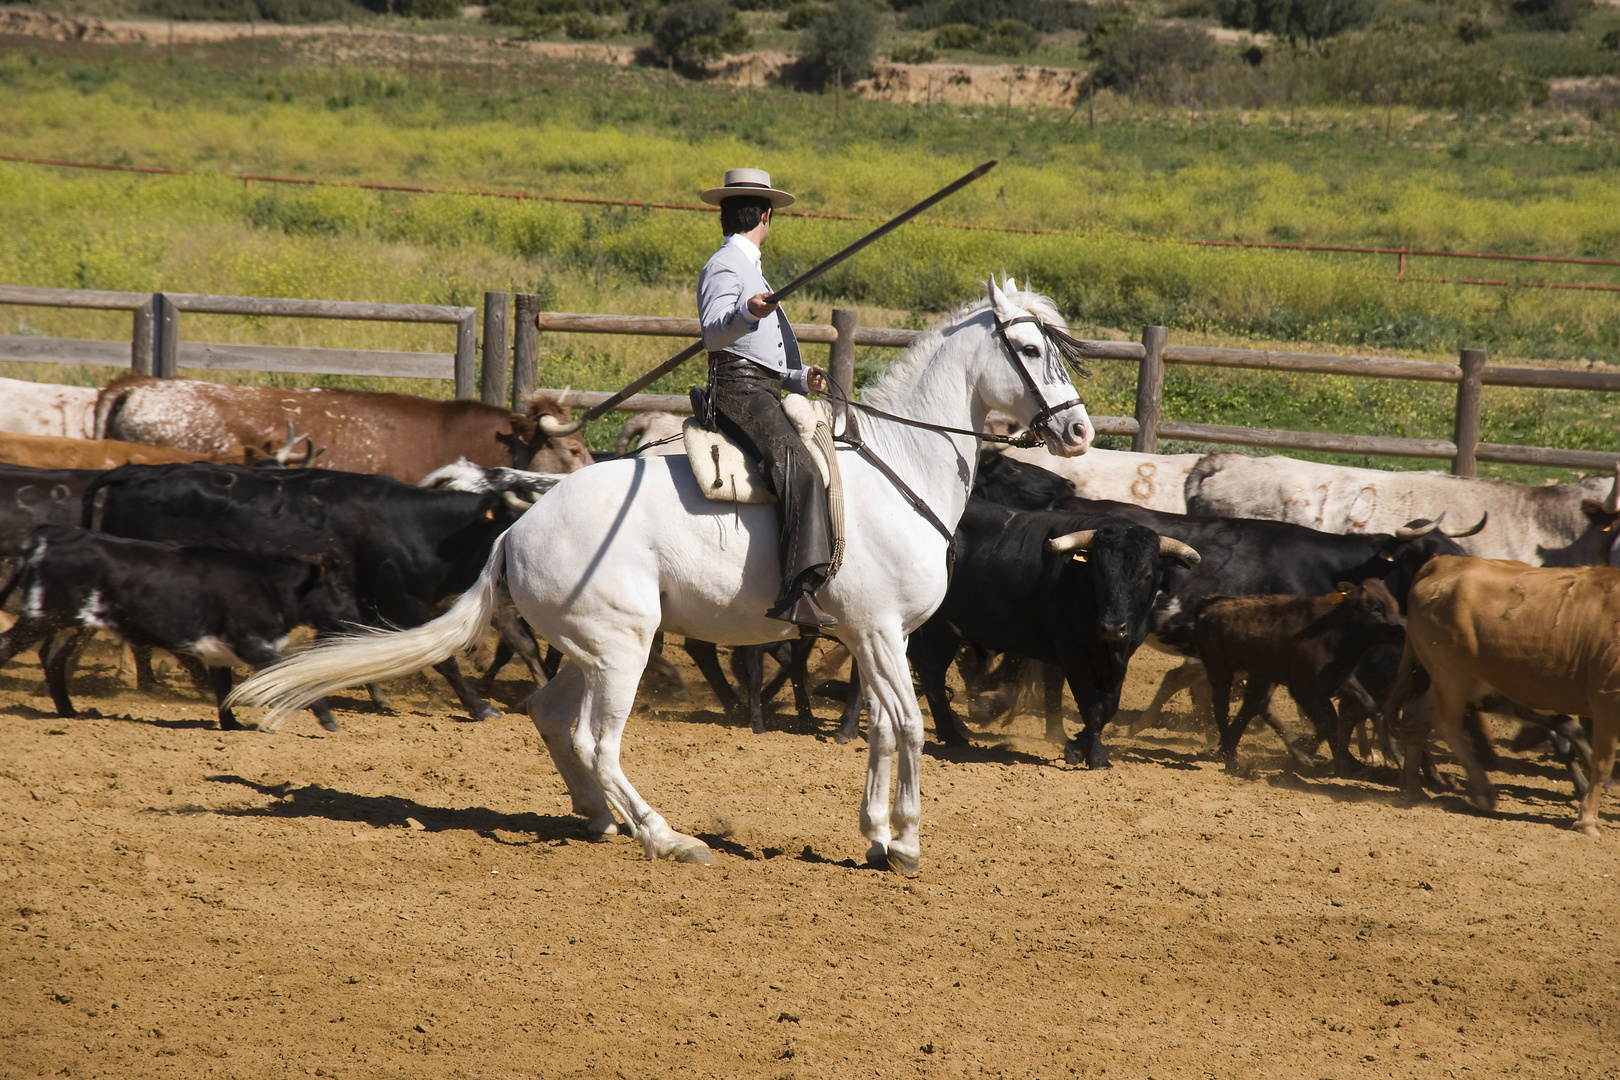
x=753 y=357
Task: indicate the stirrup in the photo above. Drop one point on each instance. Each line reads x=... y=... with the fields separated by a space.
x=702 y=408
x=801 y=608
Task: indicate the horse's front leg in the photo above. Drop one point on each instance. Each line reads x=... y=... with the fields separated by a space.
x=893 y=723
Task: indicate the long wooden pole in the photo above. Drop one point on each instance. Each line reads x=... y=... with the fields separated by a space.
x=791 y=287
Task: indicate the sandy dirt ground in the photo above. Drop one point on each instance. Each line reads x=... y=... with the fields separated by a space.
x=410 y=897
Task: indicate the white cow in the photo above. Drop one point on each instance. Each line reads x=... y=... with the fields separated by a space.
x=1152 y=481
x=1552 y=525
x=649 y=427
x=31 y=408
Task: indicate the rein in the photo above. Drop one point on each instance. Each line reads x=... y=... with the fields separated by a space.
x=1068 y=347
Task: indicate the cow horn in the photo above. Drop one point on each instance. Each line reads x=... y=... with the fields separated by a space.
x=1611 y=505
x=1483 y=518
x=1075 y=541
x=1171 y=548
x=515 y=502
x=553 y=427
x=1412 y=531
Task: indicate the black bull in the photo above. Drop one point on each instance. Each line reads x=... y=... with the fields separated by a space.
x=1073 y=590
x=402 y=548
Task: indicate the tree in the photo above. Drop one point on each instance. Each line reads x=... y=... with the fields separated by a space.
x=1312 y=20
x=1152 y=60
x=698 y=30
x=842 y=45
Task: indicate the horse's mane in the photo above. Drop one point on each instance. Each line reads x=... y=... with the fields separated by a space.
x=924 y=349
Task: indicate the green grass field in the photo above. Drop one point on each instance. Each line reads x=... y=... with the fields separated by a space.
x=1530 y=183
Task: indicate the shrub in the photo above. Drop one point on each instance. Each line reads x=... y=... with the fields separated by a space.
x=1153 y=61
x=958 y=36
x=1046 y=16
x=1474 y=29
x=698 y=30
x=1115 y=22
x=583 y=27
x=536 y=18
x=843 y=43
x=1558 y=15
x=803 y=15
x=1009 y=37
x=1394 y=62
x=1312 y=20
x=277 y=11
x=913 y=54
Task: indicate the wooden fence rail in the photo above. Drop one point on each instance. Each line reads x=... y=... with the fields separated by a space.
x=1151 y=354
x=156 y=349
x=511 y=344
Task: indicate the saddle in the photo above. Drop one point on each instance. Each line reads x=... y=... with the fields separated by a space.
x=727 y=473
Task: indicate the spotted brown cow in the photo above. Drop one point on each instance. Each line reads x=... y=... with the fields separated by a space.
x=359 y=431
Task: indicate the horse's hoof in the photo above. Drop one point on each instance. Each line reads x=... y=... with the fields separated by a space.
x=231 y=723
x=841 y=738
x=1588 y=827
x=693 y=850
x=1072 y=754
x=330 y=723
x=1483 y=800
x=487 y=712
x=902 y=863
x=877 y=856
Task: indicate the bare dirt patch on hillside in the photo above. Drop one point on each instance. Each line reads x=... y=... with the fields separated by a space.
x=411 y=897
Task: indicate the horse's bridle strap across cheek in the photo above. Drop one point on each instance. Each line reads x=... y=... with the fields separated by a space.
x=1047 y=411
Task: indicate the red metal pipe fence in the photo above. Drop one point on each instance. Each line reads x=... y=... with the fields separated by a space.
x=1402 y=253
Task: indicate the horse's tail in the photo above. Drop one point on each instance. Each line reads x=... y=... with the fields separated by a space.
x=375 y=655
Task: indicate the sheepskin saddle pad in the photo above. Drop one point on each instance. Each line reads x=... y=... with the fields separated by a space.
x=726 y=473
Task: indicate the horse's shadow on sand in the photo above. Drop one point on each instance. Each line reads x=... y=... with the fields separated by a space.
x=383 y=811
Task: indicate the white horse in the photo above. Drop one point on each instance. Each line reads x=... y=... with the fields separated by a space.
x=621 y=549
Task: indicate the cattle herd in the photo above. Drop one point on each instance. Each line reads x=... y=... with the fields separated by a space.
x=212 y=521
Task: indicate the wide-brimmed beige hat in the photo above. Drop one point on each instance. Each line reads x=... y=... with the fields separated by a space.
x=749 y=182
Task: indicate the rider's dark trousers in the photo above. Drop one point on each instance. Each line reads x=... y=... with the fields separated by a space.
x=747 y=401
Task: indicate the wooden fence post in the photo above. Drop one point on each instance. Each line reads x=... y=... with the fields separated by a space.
x=140 y=344
x=525 y=350
x=1470 y=398
x=841 y=356
x=1149 y=390
x=497 y=355
x=165 y=337
x=467 y=358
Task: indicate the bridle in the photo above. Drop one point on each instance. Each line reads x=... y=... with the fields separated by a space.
x=1070 y=349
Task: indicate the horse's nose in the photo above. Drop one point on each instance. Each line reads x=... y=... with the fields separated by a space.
x=1077 y=430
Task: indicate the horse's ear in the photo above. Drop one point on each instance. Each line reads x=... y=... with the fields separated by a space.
x=998 y=300
x=1009 y=284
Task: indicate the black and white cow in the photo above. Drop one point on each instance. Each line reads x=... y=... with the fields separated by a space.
x=216 y=606
x=401 y=549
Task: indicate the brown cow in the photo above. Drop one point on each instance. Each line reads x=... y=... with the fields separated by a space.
x=395 y=434
x=1545 y=638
